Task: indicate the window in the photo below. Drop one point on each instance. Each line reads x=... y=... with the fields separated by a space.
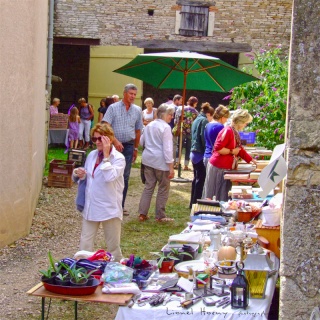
x=194 y=21
x=194 y=18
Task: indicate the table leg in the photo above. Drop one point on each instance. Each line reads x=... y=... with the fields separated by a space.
x=76 y=310
x=43 y=301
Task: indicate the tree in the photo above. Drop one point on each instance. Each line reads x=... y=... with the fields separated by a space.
x=265 y=99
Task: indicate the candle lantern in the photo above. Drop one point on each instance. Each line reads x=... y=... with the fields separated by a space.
x=239 y=289
x=257 y=268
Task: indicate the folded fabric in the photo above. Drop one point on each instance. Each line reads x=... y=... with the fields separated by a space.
x=191 y=237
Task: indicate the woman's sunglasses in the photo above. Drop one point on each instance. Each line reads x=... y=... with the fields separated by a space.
x=94 y=139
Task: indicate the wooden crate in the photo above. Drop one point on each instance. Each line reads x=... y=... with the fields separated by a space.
x=63 y=167
x=272 y=234
x=58 y=121
x=78 y=156
x=59 y=180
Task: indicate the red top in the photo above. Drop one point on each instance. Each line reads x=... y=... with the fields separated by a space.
x=227 y=140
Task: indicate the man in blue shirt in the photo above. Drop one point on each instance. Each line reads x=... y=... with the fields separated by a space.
x=126 y=120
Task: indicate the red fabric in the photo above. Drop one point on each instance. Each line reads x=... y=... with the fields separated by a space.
x=226 y=139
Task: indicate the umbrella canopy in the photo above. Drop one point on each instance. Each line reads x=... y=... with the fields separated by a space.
x=185 y=70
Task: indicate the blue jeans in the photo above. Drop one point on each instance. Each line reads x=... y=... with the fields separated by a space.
x=127 y=151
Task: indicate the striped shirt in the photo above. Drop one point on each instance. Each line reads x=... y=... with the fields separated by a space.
x=124 y=123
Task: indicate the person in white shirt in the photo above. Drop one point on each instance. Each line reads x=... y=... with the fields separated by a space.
x=103 y=191
x=158 y=162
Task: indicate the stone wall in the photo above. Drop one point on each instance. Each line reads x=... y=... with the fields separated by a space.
x=120 y=22
x=300 y=261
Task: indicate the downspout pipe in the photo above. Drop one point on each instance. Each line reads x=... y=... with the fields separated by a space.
x=50 y=47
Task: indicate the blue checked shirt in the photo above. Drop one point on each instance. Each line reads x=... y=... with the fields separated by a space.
x=124 y=123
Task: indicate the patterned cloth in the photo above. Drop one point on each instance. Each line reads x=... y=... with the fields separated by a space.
x=190 y=114
x=123 y=122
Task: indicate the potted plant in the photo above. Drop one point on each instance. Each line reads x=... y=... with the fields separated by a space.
x=49 y=274
x=165 y=261
x=78 y=275
x=175 y=252
x=63 y=279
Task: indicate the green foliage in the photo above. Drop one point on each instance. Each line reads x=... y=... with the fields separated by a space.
x=164 y=257
x=176 y=253
x=47 y=273
x=265 y=99
x=53 y=268
x=77 y=274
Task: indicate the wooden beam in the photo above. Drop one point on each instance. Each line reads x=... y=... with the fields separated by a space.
x=196 y=3
x=197 y=46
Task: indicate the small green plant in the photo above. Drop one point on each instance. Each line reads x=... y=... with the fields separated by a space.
x=63 y=276
x=47 y=273
x=53 y=268
x=176 y=253
x=56 y=267
x=164 y=257
x=77 y=274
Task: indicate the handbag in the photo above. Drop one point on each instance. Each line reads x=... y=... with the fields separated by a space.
x=176 y=129
x=238 y=144
x=143 y=178
x=235 y=163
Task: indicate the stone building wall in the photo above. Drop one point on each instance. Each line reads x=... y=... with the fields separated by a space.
x=120 y=22
x=300 y=253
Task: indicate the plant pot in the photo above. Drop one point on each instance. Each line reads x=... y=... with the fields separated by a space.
x=167 y=266
x=81 y=283
x=50 y=280
x=90 y=281
x=65 y=282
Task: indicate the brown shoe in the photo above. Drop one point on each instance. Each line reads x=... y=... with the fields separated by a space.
x=125 y=212
x=186 y=168
x=143 y=217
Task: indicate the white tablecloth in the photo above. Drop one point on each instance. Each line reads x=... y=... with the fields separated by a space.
x=258 y=308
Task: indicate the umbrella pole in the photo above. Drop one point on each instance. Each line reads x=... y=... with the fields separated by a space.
x=179 y=178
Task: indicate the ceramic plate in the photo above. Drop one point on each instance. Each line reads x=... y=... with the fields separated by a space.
x=196 y=265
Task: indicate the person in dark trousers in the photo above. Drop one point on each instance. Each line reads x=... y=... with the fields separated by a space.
x=198 y=146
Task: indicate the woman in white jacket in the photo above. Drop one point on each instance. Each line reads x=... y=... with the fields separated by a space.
x=102 y=194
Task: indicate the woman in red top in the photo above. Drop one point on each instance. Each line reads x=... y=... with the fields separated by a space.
x=227 y=149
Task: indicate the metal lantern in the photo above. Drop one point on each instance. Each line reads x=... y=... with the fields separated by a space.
x=239 y=289
x=257 y=268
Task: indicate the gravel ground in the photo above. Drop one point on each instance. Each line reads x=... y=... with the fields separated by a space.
x=56 y=227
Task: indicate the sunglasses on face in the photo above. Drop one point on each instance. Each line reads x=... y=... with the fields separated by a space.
x=95 y=139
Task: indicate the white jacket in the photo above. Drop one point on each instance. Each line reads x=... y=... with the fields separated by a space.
x=104 y=190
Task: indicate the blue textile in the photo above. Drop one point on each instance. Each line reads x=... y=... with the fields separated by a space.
x=210 y=134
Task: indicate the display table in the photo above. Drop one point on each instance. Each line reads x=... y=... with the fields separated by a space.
x=258 y=308
x=58 y=136
x=98 y=296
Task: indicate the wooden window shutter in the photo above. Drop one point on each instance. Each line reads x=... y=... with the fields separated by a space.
x=194 y=21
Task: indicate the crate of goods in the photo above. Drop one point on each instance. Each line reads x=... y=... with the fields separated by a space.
x=60 y=172
x=58 y=121
x=249 y=137
x=78 y=156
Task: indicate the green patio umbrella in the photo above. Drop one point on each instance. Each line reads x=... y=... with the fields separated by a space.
x=185 y=71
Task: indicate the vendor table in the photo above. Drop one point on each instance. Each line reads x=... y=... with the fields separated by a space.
x=58 y=136
x=258 y=308
x=97 y=296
